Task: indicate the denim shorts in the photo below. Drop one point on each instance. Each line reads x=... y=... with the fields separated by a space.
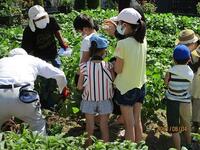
x=97 y=107
x=130 y=97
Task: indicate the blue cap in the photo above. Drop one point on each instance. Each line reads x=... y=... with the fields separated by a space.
x=102 y=42
x=181 y=52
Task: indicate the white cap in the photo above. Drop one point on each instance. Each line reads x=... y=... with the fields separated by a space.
x=34 y=13
x=17 y=51
x=129 y=15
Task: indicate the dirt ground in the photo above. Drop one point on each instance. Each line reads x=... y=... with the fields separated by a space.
x=155 y=133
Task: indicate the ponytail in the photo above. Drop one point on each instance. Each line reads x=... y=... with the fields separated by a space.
x=93 y=48
x=139 y=31
x=95 y=26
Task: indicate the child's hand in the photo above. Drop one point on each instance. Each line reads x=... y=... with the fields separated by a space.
x=110 y=27
x=65 y=52
x=167 y=78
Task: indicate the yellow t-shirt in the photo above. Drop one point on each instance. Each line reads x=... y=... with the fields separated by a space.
x=133 y=74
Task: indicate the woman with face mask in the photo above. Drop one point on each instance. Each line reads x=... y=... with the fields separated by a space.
x=130 y=67
x=39 y=39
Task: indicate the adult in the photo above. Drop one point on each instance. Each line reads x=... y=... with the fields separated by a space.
x=192 y=41
x=21 y=69
x=39 y=36
x=39 y=39
x=196 y=92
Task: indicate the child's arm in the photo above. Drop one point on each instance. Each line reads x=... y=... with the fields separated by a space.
x=113 y=74
x=61 y=40
x=85 y=56
x=80 y=82
x=167 y=77
x=118 y=67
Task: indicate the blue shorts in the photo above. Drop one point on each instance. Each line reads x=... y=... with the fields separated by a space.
x=130 y=97
x=97 y=107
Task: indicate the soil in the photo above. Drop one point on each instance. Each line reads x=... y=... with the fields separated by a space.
x=155 y=134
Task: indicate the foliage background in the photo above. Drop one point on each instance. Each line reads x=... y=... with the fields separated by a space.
x=162 y=31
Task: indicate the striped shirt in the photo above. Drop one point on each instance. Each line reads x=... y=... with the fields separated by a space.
x=179 y=84
x=97 y=81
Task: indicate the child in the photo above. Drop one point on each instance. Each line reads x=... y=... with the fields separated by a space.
x=95 y=79
x=130 y=67
x=87 y=27
x=178 y=80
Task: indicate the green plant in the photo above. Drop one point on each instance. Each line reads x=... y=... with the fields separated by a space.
x=66 y=2
x=92 y=4
x=162 y=30
x=198 y=8
x=149 y=8
x=9 y=8
x=55 y=128
x=39 y=2
x=79 y=4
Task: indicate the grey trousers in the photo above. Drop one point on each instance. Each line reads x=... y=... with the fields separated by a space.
x=10 y=105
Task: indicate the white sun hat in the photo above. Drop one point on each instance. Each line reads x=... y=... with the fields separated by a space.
x=129 y=15
x=35 y=13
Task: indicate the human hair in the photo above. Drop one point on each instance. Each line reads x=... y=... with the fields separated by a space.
x=122 y=4
x=83 y=21
x=139 y=31
x=198 y=42
x=182 y=62
x=94 y=51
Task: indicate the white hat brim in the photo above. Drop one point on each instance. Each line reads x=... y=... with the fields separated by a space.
x=40 y=15
x=114 y=18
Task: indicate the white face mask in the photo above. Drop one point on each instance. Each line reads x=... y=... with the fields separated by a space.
x=120 y=30
x=41 y=24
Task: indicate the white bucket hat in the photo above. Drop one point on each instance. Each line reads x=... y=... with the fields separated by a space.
x=129 y=15
x=35 y=13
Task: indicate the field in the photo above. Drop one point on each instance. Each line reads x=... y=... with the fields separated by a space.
x=67 y=122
